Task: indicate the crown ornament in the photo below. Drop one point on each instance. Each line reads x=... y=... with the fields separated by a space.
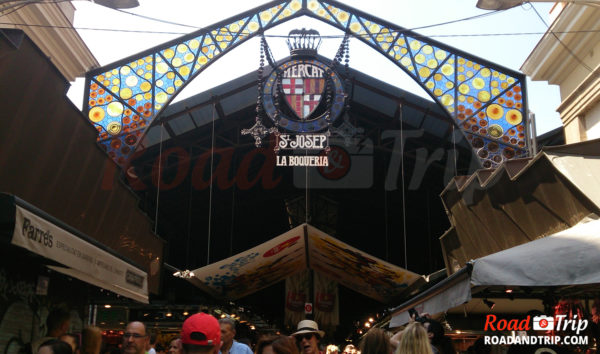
x=303 y=42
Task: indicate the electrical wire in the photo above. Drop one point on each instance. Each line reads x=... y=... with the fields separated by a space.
x=386 y=223
x=159 y=178
x=412 y=29
x=157 y=19
x=189 y=220
x=458 y=20
x=88 y=28
x=14 y=10
x=210 y=197
x=454 y=152
x=306 y=191
x=285 y=36
x=195 y=27
x=561 y=42
x=271 y=36
x=415 y=28
x=403 y=190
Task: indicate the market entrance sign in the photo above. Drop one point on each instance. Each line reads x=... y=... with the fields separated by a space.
x=486 y=102
x=302 y=98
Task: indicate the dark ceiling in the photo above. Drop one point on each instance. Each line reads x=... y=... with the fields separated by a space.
x=252 y=201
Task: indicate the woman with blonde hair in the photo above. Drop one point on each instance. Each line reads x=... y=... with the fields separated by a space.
x=91 y=340
x=414 y=340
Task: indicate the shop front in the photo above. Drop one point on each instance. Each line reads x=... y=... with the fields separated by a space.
x=48 y=264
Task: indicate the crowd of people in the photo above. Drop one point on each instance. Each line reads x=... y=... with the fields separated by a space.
x=58 y=341
x=202 y=333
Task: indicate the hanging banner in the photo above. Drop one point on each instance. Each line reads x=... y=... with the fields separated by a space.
x=326 y=307
x=287 y=255
x=296 y=296
x=355 y=269
x=256 y=268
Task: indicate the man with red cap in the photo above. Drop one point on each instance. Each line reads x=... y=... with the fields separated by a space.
x=201 y=334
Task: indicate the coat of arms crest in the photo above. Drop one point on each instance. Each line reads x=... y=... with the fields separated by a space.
x=303 y=86
x=301 y=95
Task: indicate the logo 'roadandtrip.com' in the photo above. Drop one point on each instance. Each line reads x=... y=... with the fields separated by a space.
x=543 y=323
x=537 y=323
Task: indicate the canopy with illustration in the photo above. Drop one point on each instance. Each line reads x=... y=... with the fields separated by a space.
x=303 y=247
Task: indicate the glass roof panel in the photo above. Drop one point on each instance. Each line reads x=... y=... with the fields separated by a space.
x=203 y=115
x=435 y=126
x=153 y=136
x=373 y=100
x=239 y=100
x=412 y=116
x=181 y=124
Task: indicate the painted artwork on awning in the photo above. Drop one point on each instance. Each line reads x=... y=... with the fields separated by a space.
x=356 y=269
x=286 y=255
x=256 y=268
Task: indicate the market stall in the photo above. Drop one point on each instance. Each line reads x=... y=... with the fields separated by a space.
x=69 y=251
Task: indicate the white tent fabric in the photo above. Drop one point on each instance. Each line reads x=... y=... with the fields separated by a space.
x=582 y=171
x=569 y=257
x=456 y=294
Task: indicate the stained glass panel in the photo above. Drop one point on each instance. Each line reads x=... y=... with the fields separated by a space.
x=485 y=101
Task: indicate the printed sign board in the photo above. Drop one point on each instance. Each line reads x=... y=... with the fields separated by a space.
x=83 y=259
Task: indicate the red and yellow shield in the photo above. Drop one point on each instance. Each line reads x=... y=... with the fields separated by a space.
x=303 y=86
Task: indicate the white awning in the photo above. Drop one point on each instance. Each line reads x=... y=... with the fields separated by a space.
x=450 y=292
x=83 y=258
x=570 y=257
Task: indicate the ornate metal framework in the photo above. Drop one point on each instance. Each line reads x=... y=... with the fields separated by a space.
x=486 y=101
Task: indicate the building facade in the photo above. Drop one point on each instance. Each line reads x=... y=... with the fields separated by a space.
x=568 y=55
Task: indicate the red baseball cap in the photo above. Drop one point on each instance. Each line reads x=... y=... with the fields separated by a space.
x=201 y=329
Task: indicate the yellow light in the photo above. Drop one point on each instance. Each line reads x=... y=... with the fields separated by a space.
x=371 y=319
x=185 y=313
x=107 y=306
x=367 y=324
